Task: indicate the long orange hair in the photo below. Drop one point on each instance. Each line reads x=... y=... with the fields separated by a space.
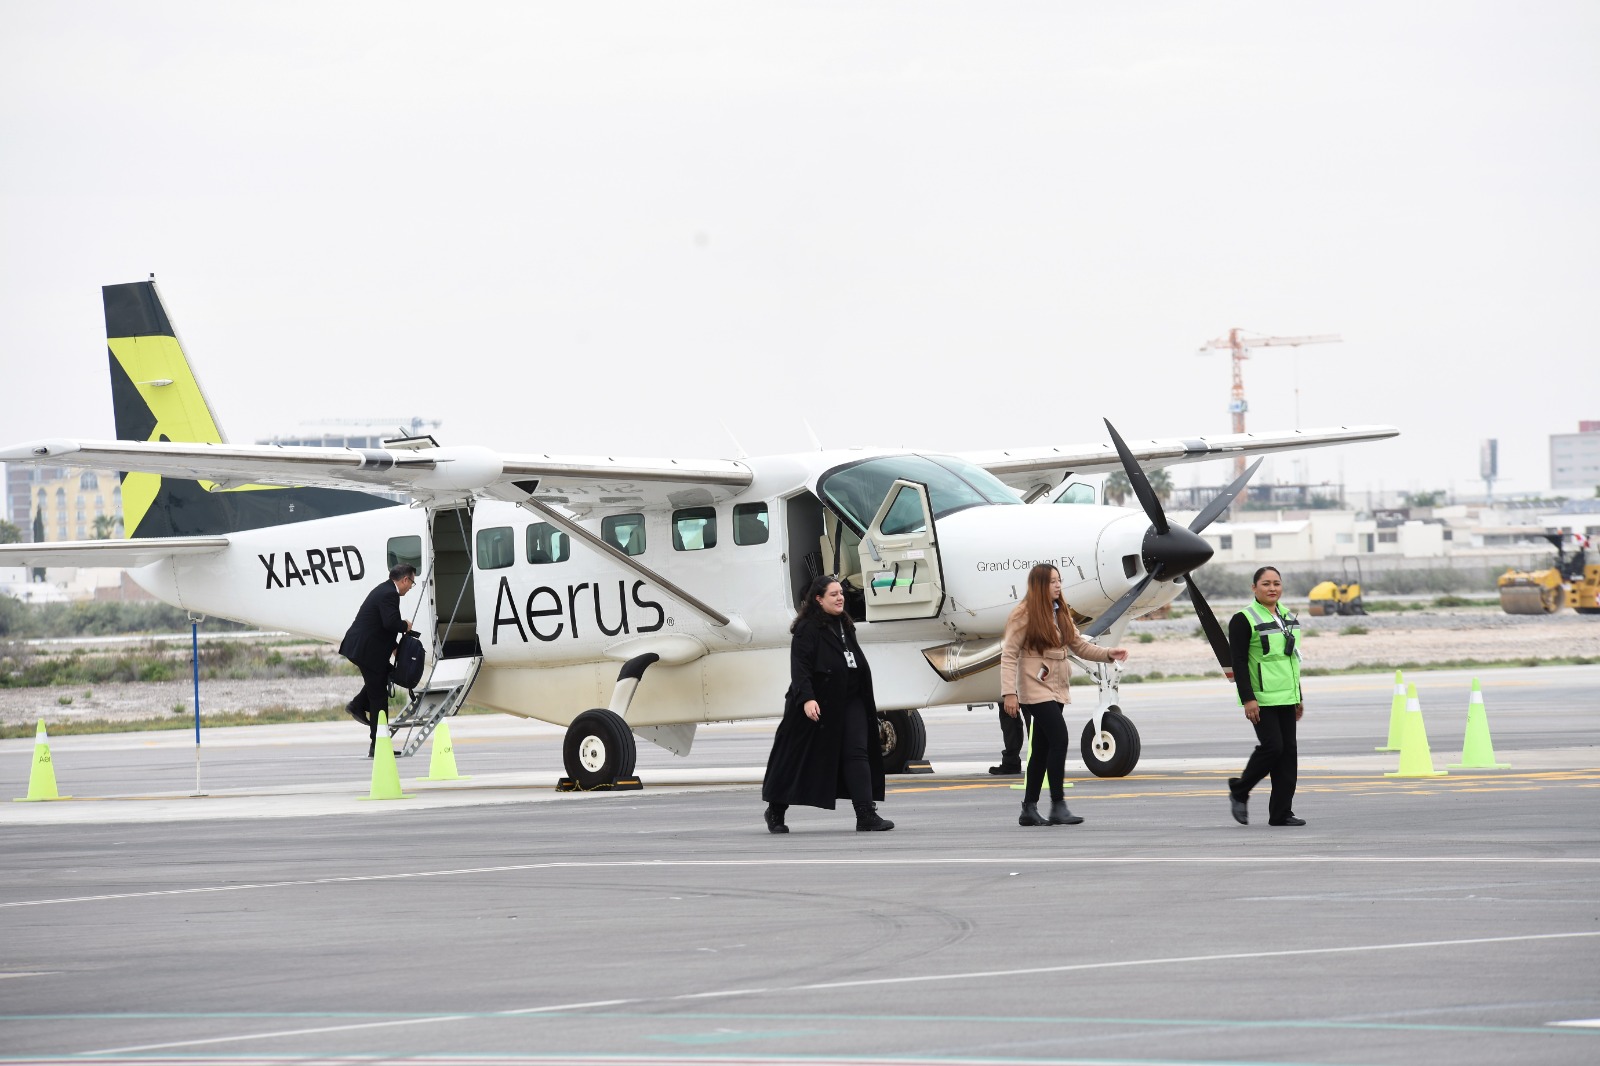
x=1046 y=626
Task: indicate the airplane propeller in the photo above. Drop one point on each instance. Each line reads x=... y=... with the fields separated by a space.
x=1171 y=553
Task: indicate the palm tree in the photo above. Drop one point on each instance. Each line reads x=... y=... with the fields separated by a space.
x=1118 y=489
x=104 y=526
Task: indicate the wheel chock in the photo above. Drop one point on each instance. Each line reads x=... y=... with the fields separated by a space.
x=917 y=766
x=621 y=784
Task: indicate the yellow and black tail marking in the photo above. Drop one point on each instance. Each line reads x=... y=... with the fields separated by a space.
x=156 y=397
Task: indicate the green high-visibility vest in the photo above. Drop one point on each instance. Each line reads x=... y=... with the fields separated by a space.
x=1274 y=662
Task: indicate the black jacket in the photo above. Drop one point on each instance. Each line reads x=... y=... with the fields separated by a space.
x=804 y=766
x=370 y=639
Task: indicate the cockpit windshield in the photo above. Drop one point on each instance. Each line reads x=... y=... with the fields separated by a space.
x=858 y=490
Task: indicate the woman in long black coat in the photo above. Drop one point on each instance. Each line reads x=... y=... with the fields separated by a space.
x=826 y=746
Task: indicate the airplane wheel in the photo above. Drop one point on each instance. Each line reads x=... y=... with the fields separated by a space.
x=1114 y=751
x=903 y=737
x=599 y=748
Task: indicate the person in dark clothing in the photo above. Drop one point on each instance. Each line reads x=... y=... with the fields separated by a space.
x=1266 y=671
x=1013 y=731
x=826 y=747
x=370 y=644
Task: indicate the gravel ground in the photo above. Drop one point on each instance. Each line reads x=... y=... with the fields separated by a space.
x=1412 y=636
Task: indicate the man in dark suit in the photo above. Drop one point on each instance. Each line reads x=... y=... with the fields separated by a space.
x=370 y=644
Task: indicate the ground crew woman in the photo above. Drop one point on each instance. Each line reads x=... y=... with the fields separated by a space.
x=1266 y=670
x=827 y=745
x=1034 y=676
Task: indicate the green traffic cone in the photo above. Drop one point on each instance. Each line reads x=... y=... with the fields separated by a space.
x=1477 y=750
x=1416 y=760
x=1397 y=708
x=385 y=774
x=42 y=778
x=442 y=758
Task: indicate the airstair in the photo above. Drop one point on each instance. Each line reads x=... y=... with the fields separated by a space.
x=437 y=698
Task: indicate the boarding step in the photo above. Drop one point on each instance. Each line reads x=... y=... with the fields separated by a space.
x=436 y=699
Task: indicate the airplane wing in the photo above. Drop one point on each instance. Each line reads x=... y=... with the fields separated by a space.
x=580 y=483
x=125 y=553
x=1025 y=468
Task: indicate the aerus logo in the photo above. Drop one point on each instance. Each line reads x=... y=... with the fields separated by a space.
x=549 y=615
x=322 y=567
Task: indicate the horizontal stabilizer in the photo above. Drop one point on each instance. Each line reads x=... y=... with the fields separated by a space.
x=124 y=553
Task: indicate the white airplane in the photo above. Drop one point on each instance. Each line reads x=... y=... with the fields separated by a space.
x=638 y=597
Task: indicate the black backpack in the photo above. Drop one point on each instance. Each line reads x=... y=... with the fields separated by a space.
x=408 y=662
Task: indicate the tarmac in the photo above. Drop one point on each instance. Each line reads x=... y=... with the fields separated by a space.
x=282 y=917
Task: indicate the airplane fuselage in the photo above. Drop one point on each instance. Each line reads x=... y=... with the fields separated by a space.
x=553 y=628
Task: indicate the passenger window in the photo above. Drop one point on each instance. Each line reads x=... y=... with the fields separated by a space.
x=547 y=544
x=407 y=550
x=694 y=528
x=1077 y=492
x=496 y=548
x=750 y=524
x=625 y=532
x=905 y=514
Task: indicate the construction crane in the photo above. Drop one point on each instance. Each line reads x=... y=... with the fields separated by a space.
x=1240 y=346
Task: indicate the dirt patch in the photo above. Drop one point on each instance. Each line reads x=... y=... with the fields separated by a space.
x=1173 y=649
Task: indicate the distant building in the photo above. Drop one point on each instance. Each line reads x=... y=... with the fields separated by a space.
x=21 y=481
x=63 y=502
x=1575 y=458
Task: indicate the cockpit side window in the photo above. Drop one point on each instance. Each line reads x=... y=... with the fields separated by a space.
x=857 y=491
x=1077 y=492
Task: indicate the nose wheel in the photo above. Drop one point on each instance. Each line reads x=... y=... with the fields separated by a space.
x=1113 y=749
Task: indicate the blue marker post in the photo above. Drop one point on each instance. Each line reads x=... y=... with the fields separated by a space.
x=194 y=660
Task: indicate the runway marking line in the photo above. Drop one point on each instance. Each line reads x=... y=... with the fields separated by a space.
x=884 y=860
x=826 y=986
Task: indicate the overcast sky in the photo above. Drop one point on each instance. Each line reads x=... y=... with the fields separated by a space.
x=613 y=228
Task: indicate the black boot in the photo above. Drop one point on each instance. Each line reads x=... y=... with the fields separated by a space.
x=774 y=817
x=1006 y=769
x=1030 y=814
x=1059 y=815
x=867 y=820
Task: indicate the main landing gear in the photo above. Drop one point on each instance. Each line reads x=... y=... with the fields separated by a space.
x=599 y=753
x=903 y=738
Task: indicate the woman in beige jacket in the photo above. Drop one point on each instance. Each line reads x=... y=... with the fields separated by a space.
x=1034 y=677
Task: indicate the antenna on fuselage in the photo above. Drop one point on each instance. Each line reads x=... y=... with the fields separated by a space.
x=813 y=435
x=736 y=445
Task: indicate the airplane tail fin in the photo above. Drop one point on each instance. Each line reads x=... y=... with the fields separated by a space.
x=155 y=395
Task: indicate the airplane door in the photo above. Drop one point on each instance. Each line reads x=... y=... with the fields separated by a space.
x=900 y=557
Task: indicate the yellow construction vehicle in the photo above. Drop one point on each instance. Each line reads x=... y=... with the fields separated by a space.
x=1333 y=597
x=1583 y=595
x=1546 y=591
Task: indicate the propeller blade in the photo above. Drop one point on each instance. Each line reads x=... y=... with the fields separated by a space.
x=1214 y=631
x=1104 y=622
x=1220 y=504
x=1136 y=479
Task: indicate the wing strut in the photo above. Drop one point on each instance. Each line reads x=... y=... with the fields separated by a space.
x=733 y=629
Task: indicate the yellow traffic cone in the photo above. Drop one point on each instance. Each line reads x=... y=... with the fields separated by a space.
x=1477 y=750
x=1397 y=707
x=442 y=760
x=1415 y=758
x=42 y=779
x=385 y=774
x=1027 y=754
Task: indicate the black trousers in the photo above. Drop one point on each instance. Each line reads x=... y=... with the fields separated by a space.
x=854 y=768
x=1050 y=743
x=1275 y=755
x=372 y=700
